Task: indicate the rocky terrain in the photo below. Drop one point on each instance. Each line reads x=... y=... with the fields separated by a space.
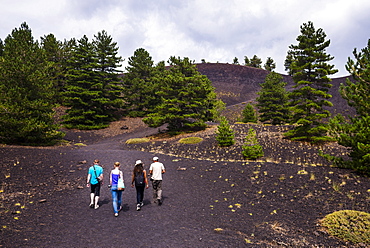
x=213 y=197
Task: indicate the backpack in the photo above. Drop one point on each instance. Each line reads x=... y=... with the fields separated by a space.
x=139 y=178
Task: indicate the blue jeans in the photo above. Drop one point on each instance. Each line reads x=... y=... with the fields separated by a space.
x=116 y=199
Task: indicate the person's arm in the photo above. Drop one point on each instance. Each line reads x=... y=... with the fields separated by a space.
x=110 y=178
x=101 y=176
x=163 y=169
x=146 y=179
x=132 y=179
x=88 y=180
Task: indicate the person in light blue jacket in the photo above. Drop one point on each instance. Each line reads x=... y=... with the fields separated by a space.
x=94 y=181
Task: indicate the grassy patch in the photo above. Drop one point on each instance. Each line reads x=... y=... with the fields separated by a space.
x=348 y=225
x=80 y=144
x=137 y=140
x=190 y=140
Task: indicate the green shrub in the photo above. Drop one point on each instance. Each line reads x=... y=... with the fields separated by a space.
x=249 y=114
x=252 y=152
x=251 y=148
x=224 y=134
x=190 y=140
x=348 y=225
x=137 y=140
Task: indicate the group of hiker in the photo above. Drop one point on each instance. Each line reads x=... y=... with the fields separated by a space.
x=139 y=180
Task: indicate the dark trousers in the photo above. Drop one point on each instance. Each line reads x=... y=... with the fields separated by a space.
x=157 y=189
x=139 y=193
x=95 y=188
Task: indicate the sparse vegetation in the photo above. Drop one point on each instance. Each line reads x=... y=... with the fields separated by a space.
x=290 y=175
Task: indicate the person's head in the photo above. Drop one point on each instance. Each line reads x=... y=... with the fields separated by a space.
x=138 y=166
x=116 y=164
x=96 y=161
x=155 y=159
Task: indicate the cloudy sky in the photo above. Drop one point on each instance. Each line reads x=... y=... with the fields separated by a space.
x=213 y=30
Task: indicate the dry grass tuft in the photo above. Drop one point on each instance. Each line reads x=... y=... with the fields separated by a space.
x=137 y=140
x=190 y=140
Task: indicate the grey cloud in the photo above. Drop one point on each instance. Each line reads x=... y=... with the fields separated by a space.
x=207 y=29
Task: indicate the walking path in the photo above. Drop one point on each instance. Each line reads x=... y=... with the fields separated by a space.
x=44 y=200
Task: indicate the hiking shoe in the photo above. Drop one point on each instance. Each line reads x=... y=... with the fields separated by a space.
x=141 y=204
x=138 y=207
x=116 y=214
x=97 y=206
x=159 y=202
x=91 y=205
x=119 y=209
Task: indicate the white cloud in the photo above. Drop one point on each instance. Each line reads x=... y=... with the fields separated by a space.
x=214 y=30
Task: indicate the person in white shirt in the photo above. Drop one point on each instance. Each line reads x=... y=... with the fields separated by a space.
x=156 y=170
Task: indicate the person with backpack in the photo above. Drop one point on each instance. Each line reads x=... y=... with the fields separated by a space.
x=139 y=179
x=156 y=169
x=115 y=175
x=94 y=181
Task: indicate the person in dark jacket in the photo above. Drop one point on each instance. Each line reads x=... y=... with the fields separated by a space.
x=140 y=181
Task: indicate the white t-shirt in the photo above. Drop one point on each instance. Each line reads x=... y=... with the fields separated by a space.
x=156 y=169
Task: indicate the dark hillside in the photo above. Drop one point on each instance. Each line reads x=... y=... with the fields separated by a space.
x=235 y=83
x=340 y=105
x=238 y=84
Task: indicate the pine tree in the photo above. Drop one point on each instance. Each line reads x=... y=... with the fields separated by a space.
x=225 y=135
x=54 y=51
x=356 y=92
x=251 y=148
x=255 y=62
x=273 y=100
x=354 y=131
x=236 y=61
x=288 y=62
x=188 y=98
x=84 y=89
x=1 y=47
x=246 y=61
x=270 y=64
x=93 y=89
x=141 y=82
x=310 y=72
x=26 y=98
x=249 y=114
x=108 y=62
